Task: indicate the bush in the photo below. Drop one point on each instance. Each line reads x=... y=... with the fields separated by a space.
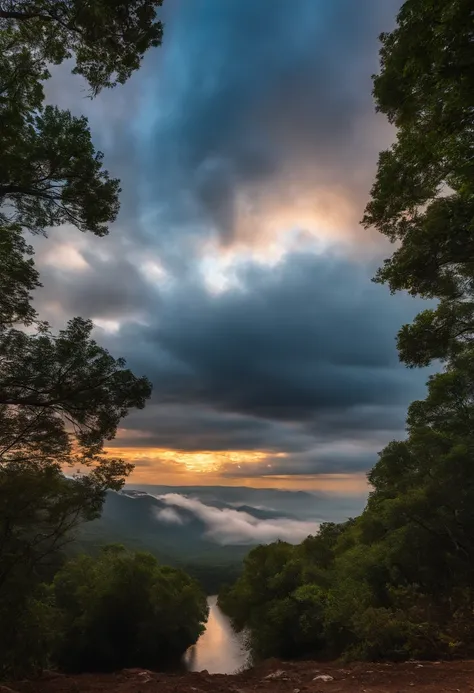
x=123 y=609
x=28 y=634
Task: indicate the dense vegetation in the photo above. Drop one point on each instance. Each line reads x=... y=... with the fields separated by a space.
x=398 y=581
x=123 y=609
x=62 y=395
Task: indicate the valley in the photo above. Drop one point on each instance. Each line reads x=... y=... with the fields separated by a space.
x=208 y=530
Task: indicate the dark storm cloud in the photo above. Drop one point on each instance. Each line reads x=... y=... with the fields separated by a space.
x=248 y=107
x=293 y=359
x=310 y=335
x=251 y=99
x=105 y=285
x=306 y=464
x=244 y=101
x=303 y=356
x=197 y=427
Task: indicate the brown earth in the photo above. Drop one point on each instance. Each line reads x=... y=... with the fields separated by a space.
x=271 y=677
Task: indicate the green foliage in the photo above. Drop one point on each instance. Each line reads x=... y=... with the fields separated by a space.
x=39 y=508
x=17 y=278
x=282 y=593
x=423 y=196
x=38 y=505
x=29 y=633
x=132 y=522
x=107 y=39
x=51 y=174
x=61 y=396
x=124 y=610
x=119 y=609
x=51 y=380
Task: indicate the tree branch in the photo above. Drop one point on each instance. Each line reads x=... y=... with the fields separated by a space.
x=23 y=16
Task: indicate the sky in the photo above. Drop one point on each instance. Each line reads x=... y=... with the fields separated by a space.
x=237 y=276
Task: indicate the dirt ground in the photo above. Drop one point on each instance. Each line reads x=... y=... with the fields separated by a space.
x=271 y=677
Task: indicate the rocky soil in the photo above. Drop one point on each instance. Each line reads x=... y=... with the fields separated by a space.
x=271 y=677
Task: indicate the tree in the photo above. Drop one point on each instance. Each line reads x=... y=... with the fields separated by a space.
x=398 y=581
x=423 y=195
x=61 y=396
x=18 y=278
x=57 y=380
x=122 y=609
x=60 y=399
x=281 y=595
x=51 y=175
x=428 y=480
x=39 y=508
x=107 y=39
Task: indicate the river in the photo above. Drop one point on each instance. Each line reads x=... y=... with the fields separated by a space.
x=220 y=649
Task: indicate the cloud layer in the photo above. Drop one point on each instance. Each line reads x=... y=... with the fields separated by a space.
x=298 y=361
x=229 y=526
x=237 y=276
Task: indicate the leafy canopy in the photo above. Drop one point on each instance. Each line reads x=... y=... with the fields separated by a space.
x=423 y=195
x=69 y=379
x=107 y=38
x=51 y=175
x=17 y=278
x=122 y=609
x=61 y=395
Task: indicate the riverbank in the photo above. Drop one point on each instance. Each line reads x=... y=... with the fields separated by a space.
x=270 y=677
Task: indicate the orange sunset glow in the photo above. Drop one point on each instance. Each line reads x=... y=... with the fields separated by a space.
x=206 y=467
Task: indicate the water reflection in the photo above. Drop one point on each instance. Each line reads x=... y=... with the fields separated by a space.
x=220 y=649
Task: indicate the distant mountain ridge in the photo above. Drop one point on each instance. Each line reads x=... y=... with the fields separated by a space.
x=302 y=504
x=319 y=506
x=181 y=525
